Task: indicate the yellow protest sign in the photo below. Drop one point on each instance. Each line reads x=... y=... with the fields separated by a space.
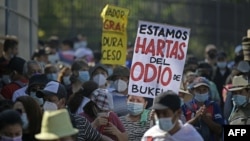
x=114 y=35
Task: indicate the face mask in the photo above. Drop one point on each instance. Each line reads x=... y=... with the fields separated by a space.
x=49 y=106
x=66 y=80
x=25 y=120
x=135 y=108
x=120 y=85
x=52 y=76
x=182 y=101
x=201 y=97
x=100 y=79
x=165 y=124
x=239 y=100
x=83 y=44
x=38 y=100
x=53 y=58
x=6 y=79
x=83 y=76
x=222 y=64
x=5 y=138
x=110 y=71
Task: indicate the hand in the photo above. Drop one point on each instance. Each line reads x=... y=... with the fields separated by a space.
x=201 y=112
x=111 y=129
x=99 y=121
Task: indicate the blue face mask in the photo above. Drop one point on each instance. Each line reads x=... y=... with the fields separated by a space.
x=135 y=108
x=83 y=76
x=5 y=138
x=52 y=76
x=201 y=97
x=239 y=100
x=66 y=80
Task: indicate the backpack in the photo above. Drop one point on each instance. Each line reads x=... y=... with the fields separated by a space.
x=200 y=126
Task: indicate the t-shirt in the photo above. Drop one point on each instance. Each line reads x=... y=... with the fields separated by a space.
x=86 y=131
x=113 y=118
x=186 y=133
x=9 y=89
x=136 y=129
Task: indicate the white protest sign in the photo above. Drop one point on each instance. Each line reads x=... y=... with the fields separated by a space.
x=158 y=60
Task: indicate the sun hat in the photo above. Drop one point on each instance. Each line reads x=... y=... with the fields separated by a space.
x=55 y=125
x=238 y=83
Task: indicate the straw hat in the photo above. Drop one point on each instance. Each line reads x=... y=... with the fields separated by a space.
x=239 y=83
x=55 y=125
x=187 y=96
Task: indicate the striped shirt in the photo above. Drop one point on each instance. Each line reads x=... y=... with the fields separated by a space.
x=86 y=131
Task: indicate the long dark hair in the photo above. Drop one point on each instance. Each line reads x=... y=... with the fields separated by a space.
x=75 y=100
x=34 y=113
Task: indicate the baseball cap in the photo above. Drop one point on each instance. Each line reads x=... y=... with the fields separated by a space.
x=119 y=71
x=53 y=88
x=38 y=79
x=200 y=81
x=167 y=99
x=238 y=83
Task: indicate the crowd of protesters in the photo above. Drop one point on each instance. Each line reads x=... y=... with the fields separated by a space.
x=64 y=92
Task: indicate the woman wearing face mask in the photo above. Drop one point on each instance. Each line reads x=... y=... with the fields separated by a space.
x=31 y=115
x=120 y=78
x=202 y=112
x=51 y=72
x=11 y=126
x=137 y=121
x=168 y=126
x=98 y=112
x=80 y=74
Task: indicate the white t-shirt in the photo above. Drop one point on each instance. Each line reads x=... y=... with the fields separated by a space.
x=186 y=133
x=19 y=92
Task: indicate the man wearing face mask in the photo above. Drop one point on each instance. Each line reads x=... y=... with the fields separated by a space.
x=120 y=78
x=205 y=115
x=54 y=95
x=240 y=95
x=167 y=106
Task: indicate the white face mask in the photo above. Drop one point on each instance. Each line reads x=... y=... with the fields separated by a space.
x=100 y=79
x=38 y=100
x=120 y=85
x=25 y=120
x=49 y=106
x=165 y=124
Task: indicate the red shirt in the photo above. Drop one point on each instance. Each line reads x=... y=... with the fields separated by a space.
x=8 y=90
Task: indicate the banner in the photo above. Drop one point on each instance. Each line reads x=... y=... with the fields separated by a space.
x=158 y=60
x=114 y=35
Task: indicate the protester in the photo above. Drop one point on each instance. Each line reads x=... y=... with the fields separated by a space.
x=10 y=125
x=31 y=115
x=30 y=68
x=19 y=80
x=205 y=115
x=78 y=100
x=167 y=106
x=55 y=96
x=120 y=78
x=98 y=112
x=53 y=129
x=80 y=74
x=240 y=96
x=51 y=72
x=137 y=121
